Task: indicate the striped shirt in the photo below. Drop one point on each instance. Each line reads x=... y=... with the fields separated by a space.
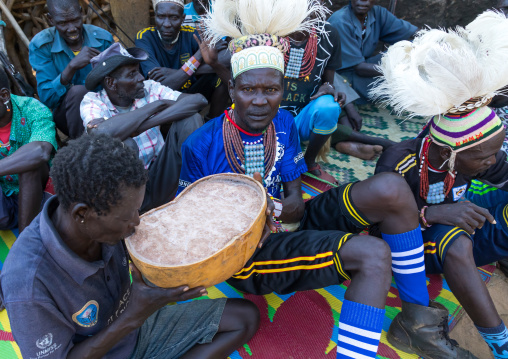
x=150 y=143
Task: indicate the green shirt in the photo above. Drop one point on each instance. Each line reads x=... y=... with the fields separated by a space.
x=31 y=121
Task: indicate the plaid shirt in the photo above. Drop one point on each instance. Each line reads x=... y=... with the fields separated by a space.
x=97 y=105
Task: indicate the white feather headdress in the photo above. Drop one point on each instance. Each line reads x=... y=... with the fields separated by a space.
x=441 y=70
x=237 y=18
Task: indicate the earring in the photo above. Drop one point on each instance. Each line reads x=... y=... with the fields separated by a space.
x=6 y=103
x=82 y=221
x=233 y=106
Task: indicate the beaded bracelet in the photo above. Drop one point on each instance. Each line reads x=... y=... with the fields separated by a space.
x=277 y=211
x=278 y=226
x=191 y=66
x=422 y=216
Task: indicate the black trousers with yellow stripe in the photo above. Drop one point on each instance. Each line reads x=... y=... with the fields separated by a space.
x=309 y=258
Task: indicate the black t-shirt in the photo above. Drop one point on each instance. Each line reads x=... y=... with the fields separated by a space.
x=404 y=158
x=297 y=92
x=186 y=46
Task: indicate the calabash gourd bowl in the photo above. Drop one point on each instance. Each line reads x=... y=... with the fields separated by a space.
x=220 y=265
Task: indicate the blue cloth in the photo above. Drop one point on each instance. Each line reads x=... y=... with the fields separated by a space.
x=360 y=329
x=148 y=39
x=408 y=265
x=319 y=116
x=203 y=154
x=382 y=25
x=491 y=241
x=55 y=298
x=497 y=340
x=49 y=55
x=485 y=195
x=192 y=18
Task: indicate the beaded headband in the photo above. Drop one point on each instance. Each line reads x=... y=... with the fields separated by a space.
x=244 y=42
x=258 y=57
x=460 y=132
x=257 y=51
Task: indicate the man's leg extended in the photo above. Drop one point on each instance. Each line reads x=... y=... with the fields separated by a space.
x=164 y=172
x=31 y=188
x=312 y=259
x=386 y=199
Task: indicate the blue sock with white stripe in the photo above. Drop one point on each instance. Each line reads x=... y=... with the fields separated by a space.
x=497 y=339
x=408 y=266
x=360 y=329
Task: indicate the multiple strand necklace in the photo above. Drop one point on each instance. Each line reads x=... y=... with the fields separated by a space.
x=299 y=63
x=247 y=157
x=437 y=192
x=364 y=26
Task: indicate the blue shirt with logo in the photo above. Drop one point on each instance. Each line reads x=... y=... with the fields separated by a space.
x=56 y=299
x=203 y=154
x=49 y=55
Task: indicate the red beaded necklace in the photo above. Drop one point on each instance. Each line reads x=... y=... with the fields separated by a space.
x=309 y=58
x=424 y=173
x=233 y=143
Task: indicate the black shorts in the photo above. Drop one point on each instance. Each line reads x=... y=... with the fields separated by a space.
x=437 y=240
x=309 y=258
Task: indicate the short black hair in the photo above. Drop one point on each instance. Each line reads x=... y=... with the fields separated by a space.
x=93 y=170
x=4 y=79
x=62 y=5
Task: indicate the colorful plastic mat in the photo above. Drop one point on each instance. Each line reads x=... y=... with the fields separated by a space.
x=298 y=325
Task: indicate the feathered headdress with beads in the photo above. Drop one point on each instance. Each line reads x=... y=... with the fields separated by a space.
x=446 y=72
x=452 y=76
x=259 y=27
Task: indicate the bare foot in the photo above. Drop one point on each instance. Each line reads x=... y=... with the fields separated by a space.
x=359 y=150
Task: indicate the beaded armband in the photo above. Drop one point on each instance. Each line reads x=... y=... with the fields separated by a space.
x=278 y=207
x=191 y=66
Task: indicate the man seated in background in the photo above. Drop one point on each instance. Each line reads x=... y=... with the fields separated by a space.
x=132 y=109
x=362 y=25
x=61 y=57
x=175 y=58
x=27 y=140
x=194 y=11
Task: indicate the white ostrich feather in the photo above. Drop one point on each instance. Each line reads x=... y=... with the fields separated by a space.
x=443 y=69
x=489 y=34
x=237 y=18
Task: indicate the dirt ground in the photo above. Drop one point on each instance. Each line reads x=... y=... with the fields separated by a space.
x=465 y=332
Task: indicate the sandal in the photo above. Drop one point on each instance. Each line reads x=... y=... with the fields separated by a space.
x=323 y=175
